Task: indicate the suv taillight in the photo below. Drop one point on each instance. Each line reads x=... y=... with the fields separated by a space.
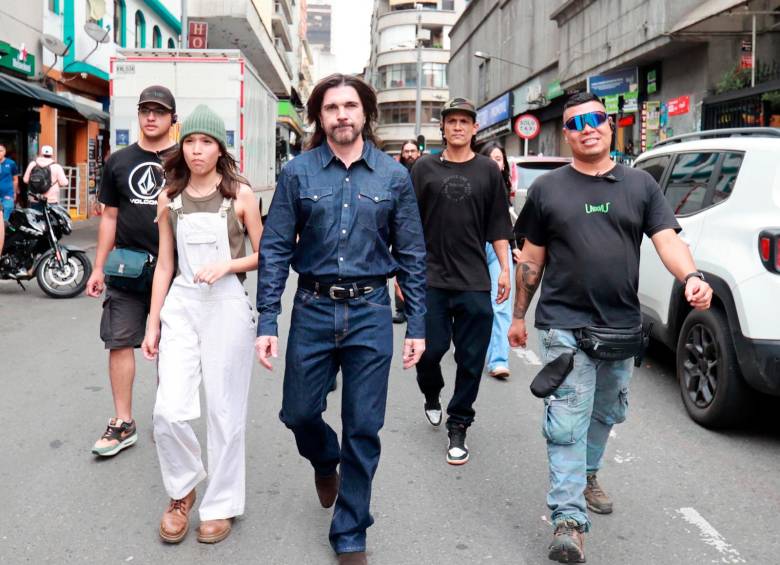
x=769 y=249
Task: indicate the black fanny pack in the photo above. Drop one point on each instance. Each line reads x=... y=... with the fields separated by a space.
x=612 y=344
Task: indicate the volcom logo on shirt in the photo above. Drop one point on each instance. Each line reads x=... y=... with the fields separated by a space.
x=456 y=188
x=600 y=208
x=146 y=181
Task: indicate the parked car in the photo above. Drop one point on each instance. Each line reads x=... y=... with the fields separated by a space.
x=524 y=171
x=724 y=186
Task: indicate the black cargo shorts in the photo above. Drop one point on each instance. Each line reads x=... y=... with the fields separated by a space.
x=123 y=323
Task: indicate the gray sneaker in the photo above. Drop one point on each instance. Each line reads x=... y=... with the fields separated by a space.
x=568 y=543
x=597 y=500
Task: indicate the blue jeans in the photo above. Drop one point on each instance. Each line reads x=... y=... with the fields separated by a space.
x=498 y=350
x=8 y=207
x=356 y=336
x=577 y=420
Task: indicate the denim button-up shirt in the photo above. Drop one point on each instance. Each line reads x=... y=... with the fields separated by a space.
x=337 y=224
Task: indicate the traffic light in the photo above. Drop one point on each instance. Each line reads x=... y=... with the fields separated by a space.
x=421 y=142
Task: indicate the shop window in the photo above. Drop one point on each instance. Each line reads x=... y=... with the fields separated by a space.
x=655 y=166
x=688 y=182
x=156 y=38
x=140 y=30
x=729 y=169
x=171 y=43
x=120 y=36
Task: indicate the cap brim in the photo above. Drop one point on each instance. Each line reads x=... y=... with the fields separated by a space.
x=471 y=113
x=155 y=101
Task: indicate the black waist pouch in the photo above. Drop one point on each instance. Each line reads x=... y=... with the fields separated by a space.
x=611 y=344
x=552 y=375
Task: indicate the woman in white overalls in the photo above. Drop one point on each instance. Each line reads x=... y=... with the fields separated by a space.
x=204 y=326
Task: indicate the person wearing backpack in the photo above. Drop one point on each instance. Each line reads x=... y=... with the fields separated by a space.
x=44 y=177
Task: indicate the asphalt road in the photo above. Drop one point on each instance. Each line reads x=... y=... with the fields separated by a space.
x=683 y=494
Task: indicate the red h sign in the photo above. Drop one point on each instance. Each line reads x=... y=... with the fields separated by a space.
x=198 y=35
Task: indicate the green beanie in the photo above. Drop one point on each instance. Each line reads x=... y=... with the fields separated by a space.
x=204 y=120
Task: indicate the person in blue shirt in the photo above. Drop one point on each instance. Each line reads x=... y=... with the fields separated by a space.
x=345 y=218
x=9 y=182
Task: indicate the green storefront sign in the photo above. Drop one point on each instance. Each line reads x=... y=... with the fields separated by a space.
x=612 y=104
x=9 y=59
x=554 y=90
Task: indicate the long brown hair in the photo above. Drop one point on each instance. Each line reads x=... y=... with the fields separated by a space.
x=505 y=174
x=367 y=99
x=177 y=173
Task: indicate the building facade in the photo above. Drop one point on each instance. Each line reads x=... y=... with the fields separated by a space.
x=662 y=67
x=397 y=29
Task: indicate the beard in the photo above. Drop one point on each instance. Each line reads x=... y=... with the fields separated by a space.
x=343 y=135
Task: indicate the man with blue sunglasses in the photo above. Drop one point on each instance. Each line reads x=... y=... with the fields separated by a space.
x=584 y=224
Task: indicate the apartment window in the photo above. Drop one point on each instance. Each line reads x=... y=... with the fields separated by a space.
x=140 y=30
x=403 y=112
x=171 y=43
x=156 y=38
x=434 y=75
x=119 y=22
x=404 y=75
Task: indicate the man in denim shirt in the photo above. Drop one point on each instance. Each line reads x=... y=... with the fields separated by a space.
x=337 y=211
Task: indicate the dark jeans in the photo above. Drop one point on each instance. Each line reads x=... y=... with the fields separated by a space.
x=465 y=318
x=355 y=336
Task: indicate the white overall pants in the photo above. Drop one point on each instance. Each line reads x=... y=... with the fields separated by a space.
x=207 y=334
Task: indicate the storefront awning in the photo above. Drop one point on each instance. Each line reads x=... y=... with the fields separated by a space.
x=34 y=92
x=705 y=11
x=92 y=114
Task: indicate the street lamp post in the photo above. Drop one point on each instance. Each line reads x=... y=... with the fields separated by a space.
x=418 y=99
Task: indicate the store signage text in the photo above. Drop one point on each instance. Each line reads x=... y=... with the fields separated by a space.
x=679 y=105
x=16 y=60
x=618 y=82
x=497 y=111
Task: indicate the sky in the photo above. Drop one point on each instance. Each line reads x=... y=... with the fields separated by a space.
x=351 y=33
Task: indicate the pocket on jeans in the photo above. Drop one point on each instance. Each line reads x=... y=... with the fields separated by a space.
x=560 y=419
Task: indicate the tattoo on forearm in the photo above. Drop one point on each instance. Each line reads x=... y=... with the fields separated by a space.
x=529 y=275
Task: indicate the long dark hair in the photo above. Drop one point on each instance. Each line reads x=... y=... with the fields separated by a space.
x=488 y=149
x=177 y=173
x=367 y=99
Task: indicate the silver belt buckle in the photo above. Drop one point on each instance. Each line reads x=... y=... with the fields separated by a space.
x=332 y=291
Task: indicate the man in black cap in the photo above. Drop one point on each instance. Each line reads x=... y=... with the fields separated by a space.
x=132 y=180
x=462 y=203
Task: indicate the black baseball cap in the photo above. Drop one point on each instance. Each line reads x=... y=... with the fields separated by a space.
x=459 y=105
x=159 y=95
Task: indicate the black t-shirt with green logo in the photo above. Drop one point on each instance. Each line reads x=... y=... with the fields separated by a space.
x=462 y=206
x=592 y=228
x=132 y=180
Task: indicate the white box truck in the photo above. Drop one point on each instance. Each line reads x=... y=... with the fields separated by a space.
x=221 y=79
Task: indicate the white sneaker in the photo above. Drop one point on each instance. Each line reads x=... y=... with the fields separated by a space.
x=433 y=412
x=500 y=372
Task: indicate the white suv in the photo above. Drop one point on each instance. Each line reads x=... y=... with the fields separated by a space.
x=724 y=186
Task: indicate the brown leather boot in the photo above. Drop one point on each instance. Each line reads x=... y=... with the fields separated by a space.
x=597 y=500
x=214 y=531
x=327 y=488
x=568 y=544
x=353 y=558
x=176 y=520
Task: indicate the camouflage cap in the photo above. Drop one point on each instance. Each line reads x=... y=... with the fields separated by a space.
x=459 y=105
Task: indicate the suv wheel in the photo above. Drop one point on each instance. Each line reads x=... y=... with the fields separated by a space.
x=712 y=388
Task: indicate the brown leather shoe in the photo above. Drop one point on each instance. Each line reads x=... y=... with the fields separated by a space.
x=176 y=520
x=214 y=531
x=353 y=558
x=327 y=488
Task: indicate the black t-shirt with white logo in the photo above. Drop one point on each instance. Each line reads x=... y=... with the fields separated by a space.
x=132 y=180
x=592 y=228
x=462 y=206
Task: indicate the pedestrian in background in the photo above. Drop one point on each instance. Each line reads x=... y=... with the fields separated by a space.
x=44 y=177
x=204 y=325
x=9 y=182
x=497 y=359
x=584 y=224
x=409 y=155
x=463 y=205
x=345 y=217
x=132 y=180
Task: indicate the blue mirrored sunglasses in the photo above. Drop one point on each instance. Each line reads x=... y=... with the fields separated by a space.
x=592 y=119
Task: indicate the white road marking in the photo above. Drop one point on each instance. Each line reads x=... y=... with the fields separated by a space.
x=527 y=356
x=624 y=457
x=711 y=536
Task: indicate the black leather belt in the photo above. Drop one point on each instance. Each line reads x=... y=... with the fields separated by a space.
x=341 y=290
